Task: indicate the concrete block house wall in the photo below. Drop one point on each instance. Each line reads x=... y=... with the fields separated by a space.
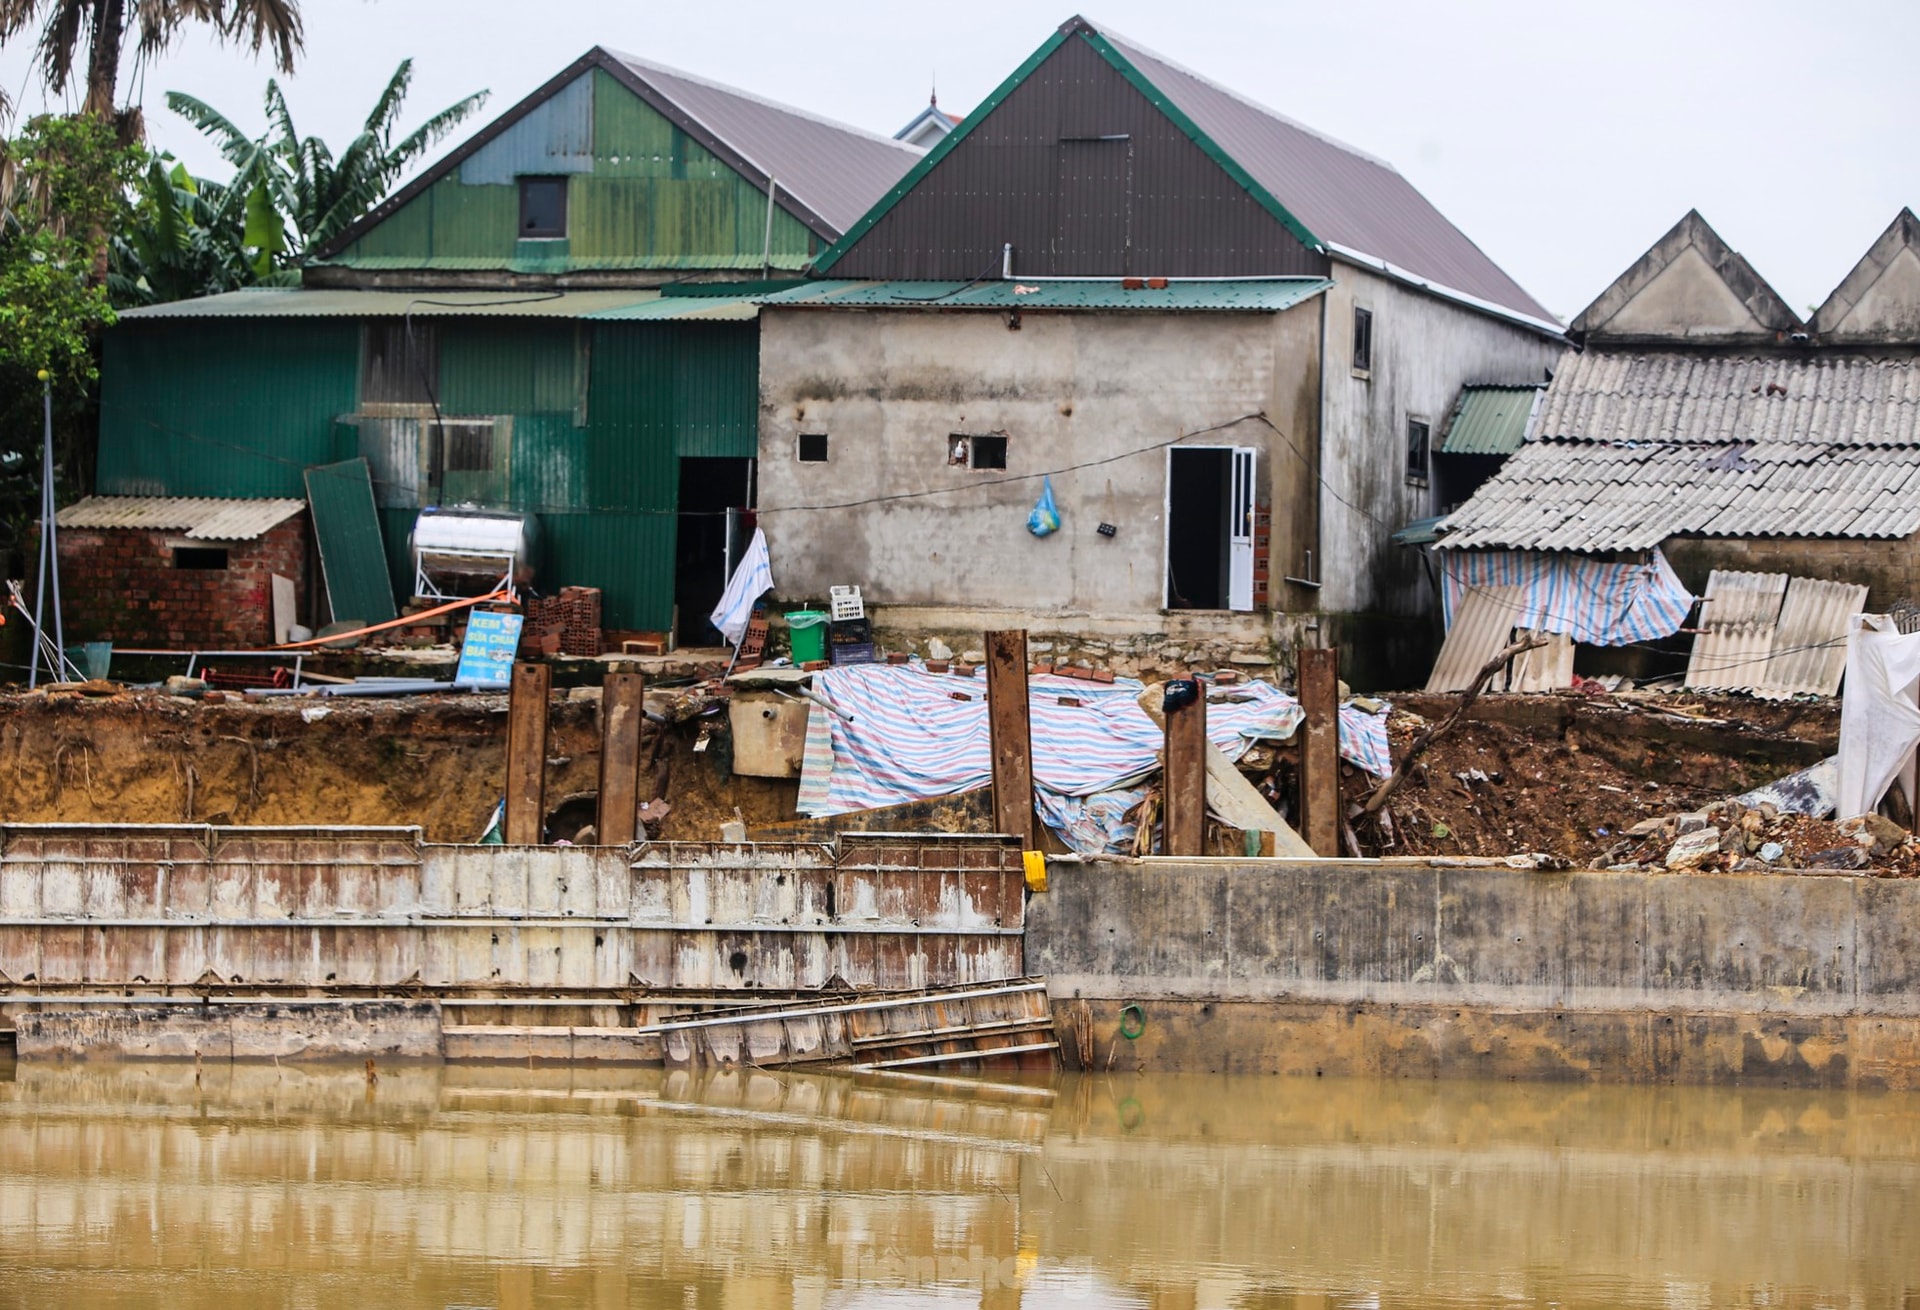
x=1084 y=269
x=157 y=588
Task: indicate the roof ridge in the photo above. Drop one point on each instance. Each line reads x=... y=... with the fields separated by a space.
x=1121 y=38
x=650 y=66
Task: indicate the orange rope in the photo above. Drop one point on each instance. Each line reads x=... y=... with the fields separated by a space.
x=401 y=622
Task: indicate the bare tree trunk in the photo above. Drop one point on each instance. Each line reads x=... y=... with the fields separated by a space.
x=103 y=76
x=103 y=57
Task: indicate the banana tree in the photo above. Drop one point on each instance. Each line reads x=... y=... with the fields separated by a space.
x=297 y=194
x=186 y=237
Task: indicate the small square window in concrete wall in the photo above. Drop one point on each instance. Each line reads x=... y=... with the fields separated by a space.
x=813 y=448
x=987 y=451
x=200 y=557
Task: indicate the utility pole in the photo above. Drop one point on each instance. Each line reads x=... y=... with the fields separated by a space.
x=47 y=574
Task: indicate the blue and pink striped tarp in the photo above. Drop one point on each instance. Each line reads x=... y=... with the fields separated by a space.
x=897 y=733
x=1593 y=602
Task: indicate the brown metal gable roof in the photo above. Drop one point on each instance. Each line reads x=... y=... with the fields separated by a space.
x=1345 y=197
x=829 y=174
x=836 y=171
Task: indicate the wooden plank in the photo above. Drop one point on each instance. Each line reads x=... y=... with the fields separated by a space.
x=527 y=754
x=1186 y=778
x=622 y=714
x=1010 y=728
x=1320 y=749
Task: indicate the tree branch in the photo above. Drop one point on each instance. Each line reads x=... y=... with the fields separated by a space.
x=1435 y=731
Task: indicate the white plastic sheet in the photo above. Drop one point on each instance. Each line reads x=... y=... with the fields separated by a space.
x=1879 y=715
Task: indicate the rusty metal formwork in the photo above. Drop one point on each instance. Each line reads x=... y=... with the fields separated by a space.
x=192 y=910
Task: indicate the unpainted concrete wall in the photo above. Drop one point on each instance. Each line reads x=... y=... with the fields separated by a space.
x=1402 y=969
x=1890 y=570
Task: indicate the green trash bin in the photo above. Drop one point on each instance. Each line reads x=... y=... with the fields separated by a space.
x=807 y=634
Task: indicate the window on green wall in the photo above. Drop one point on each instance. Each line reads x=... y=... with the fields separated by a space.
x=543 y=207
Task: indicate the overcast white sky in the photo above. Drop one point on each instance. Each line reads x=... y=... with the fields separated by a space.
x=1564 y=139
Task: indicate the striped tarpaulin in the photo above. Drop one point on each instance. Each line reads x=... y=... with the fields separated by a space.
x=897 y=733
x=1591 y=601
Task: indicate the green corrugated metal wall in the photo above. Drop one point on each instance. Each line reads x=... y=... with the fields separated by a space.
x=222 y=409
x=654 y=199
x=204 y=408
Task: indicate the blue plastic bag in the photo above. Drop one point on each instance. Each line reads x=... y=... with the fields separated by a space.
x=1045 y=519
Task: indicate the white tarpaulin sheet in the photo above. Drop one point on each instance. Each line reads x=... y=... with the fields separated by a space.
x=1879 y=714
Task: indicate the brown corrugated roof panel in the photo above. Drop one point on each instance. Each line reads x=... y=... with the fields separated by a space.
x=1343 y=195
x=837 y=171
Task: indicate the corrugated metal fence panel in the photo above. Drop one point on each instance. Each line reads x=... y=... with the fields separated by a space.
x=352 y=550
x=1547 y=668
x=1482 y=624
x=222 y=408
x=716 y=389
x=1738 y=616
x=1810 y=645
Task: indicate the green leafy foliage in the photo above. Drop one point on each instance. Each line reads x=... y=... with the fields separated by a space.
x=299 y=194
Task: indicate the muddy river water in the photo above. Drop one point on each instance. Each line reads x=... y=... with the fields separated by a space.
x=151 y=1186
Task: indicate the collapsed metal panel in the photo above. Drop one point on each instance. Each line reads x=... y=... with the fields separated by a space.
x=1545 y=668
x=1483 y=623
x=1739 y=614
x=1810 y=644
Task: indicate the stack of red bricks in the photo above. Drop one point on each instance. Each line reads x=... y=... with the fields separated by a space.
x=1262 y=554
x=565 y=624
x=580 y=620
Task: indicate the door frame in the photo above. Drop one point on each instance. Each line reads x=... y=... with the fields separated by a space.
x=1166 y=520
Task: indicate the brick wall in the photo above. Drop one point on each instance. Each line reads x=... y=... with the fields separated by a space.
x=1889 y=569
x=122 y=586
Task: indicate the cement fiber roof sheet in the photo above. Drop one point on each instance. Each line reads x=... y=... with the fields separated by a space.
x=1482 y=624
x=1810 y=644
x=1559 y=495
x=1679 y=396
x=203 y=518
x=1257 y=295
x=1738 y=616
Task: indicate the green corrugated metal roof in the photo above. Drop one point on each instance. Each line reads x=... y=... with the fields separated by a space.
x=683 y=309
x=300 y=302
x=1490 y=420
x=1263 y=295
x=290 y=302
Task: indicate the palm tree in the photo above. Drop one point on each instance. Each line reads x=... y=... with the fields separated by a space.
x=298 y=194
x=102 y=28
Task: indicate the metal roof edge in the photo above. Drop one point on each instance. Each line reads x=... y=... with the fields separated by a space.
x=899 y=191
x=1407 y=277
x=1208 y=146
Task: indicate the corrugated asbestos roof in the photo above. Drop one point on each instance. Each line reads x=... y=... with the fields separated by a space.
x=294 y=302
x=1346 y=197
x=1489 y=420
x=1608 y=395
x=201 y=518
x=1773 y=635
x=1482 y=625
x=1631 y=448
x=835 y=170
x=1259 y=296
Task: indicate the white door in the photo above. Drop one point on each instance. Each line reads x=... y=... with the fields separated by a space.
x=1240 y=531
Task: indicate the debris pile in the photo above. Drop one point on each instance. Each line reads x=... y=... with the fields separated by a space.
x=1728 y=836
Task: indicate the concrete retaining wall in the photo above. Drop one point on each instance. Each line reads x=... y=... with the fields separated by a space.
x=1398 y=968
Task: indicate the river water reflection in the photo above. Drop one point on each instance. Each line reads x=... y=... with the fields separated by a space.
x=513 y=1188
